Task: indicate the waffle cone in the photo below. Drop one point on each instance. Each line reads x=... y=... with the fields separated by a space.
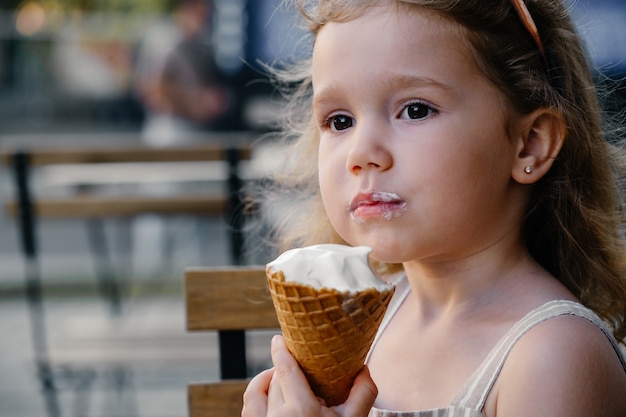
x=329 y=332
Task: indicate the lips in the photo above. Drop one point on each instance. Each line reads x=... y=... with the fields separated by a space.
x=375 y=205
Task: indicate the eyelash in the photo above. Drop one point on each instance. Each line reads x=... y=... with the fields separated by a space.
x=429 y=109
x=328 y=122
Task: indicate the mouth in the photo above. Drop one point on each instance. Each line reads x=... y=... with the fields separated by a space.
x=376 y=205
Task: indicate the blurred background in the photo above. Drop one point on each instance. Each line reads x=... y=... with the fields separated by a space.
x=85 y=65
x=152 y=73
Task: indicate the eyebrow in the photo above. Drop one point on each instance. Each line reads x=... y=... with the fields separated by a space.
x=405 y=81
x=400 y=81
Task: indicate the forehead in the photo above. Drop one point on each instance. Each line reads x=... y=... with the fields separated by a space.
x=387 y=40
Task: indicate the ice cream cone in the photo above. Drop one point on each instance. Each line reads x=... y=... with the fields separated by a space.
x=329 y=332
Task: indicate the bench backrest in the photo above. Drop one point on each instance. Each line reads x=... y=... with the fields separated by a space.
x=228 y=300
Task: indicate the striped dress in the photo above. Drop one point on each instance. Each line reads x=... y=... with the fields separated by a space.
x=470 y=400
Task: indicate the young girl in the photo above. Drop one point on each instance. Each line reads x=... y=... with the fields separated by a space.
x=461 y=140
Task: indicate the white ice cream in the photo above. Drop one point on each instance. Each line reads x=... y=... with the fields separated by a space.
x=343 y=268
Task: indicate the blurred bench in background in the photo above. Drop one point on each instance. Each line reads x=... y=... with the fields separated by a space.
x=85 y=171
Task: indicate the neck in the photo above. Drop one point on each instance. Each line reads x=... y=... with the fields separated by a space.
x=463 y=287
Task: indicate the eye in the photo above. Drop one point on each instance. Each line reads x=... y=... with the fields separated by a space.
x=416 y=111
x=339 y=122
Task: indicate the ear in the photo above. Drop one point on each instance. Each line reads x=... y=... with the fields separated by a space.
x=539 y=138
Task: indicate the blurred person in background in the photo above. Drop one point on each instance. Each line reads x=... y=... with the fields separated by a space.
x=182 y=92
x=176 y=77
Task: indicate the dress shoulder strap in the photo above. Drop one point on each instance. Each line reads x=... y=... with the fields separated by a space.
x=475 y=391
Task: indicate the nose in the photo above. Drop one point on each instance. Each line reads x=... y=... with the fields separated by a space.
x=368 y=151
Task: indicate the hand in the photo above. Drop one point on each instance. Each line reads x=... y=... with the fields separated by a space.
x=283 y=391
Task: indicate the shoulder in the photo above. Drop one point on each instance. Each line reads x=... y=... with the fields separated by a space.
x=565 y=366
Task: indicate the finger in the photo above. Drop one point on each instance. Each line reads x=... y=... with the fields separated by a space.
x=256 y=394
x=287 y=373
x=362 y=395
x=275 y=394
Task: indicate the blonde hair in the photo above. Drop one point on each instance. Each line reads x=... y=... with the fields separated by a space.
x=574 y=221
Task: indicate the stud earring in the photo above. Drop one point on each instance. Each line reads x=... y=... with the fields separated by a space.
x=528 y=170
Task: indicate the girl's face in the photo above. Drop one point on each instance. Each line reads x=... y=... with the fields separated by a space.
x=415 y=158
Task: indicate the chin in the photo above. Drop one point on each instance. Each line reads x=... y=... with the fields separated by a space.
x=388 y=254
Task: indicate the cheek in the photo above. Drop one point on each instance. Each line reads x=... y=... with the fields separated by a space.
x=331 y=175
x=322 y=171
x=329 y=185
x=329 y=167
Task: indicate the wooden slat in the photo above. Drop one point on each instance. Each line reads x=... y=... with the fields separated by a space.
x=219 y=399
x=238 y=299
x=95 y=206
x=50 y=156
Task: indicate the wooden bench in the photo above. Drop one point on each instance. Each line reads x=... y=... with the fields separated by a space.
x=28 y=208
x=22 y=161
x=231 y=301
